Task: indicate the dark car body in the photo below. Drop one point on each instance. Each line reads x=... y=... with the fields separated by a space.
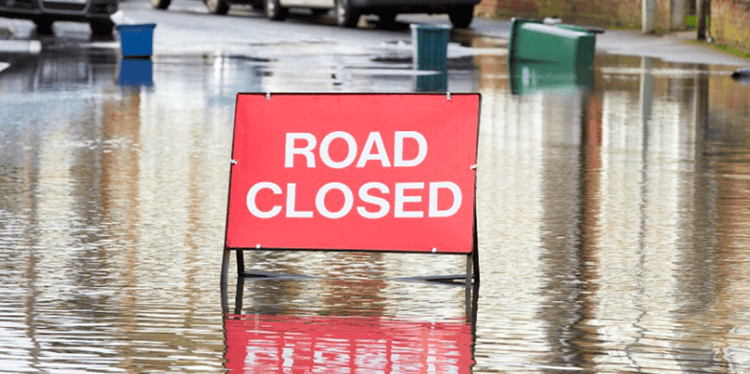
x=348 y=12
x=44 y=12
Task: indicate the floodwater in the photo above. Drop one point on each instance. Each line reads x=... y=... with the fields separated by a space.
x=613 y=223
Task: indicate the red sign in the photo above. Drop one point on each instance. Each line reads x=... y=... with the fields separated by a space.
x=382 y=172
x=287 y=344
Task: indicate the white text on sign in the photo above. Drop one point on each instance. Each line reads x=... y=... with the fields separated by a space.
x=368 y=205
x=373 y=150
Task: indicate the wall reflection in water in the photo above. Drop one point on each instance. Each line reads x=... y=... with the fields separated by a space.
x=109 y=213
x=612 y=223
x=112 y=216
x=612 y=219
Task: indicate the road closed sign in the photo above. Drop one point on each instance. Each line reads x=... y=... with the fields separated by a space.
x=375 y=172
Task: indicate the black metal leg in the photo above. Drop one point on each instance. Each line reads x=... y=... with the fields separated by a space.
x=224 y=276
x=224 y=299
x=225 y=269
x=469 y=270
x=475 y=250
x=238 y=295
x=472 y=296
x=240 y=263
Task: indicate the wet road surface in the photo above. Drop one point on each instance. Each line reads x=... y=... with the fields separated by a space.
x=612 y=220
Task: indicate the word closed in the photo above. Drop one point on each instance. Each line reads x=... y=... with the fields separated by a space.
x=313 y=344
x=353 y=171
x=370 y=201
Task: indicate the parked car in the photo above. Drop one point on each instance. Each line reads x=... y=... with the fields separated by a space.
x=213 y=6
x=347 y=12
x=44 y=12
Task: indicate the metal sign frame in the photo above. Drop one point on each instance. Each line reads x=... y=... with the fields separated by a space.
x=470 y=277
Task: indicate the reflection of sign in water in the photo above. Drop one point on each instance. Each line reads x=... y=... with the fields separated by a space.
x=289 y=344
x=354 y=172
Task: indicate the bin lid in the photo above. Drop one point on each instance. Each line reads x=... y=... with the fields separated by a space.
x=136 y=26
x=429 y=27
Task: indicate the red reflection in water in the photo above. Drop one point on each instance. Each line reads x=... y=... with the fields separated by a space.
x=314 y=344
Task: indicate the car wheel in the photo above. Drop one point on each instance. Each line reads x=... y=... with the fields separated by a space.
x=102 y=27
x=461 y=16
x=346 y=15
x=276 y=12
x=387 y=18
x=43 y=26
x=217 y=7
x=160 y=4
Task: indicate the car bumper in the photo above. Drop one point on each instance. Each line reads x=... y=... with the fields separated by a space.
x=413 y=6
x=69 y=10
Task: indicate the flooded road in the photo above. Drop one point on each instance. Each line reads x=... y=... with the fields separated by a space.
x=613 y=225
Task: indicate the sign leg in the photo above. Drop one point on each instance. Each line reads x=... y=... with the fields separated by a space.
x=472 y=310
x=475 y=250
x=469 y=276
x=225 y=269
x=238 y=295
x=224 y=276
x=240 y=263
x=475 y=263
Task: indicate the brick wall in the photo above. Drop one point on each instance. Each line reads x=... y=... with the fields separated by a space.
x=730 y=19
x=618 y=13
x=730 y=23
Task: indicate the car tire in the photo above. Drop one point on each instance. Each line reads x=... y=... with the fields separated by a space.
x=217 y=7
x=346 y=15
x=102 y=27
x=160 y=4
x=276 y=12
x=43 y=26
x=387 y=18
x=461 y=16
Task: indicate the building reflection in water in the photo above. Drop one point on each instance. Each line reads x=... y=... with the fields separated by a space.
x=612 y=224
x=624 y=238
x=87 y=162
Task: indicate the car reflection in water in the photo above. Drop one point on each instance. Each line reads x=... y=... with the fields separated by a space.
x=61 y=70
